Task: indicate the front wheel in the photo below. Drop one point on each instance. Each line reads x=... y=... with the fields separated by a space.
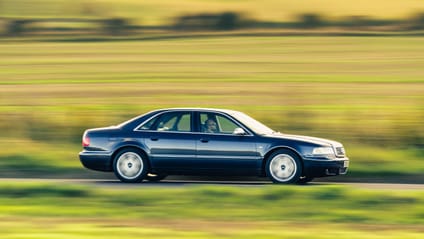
x=130 y=166
x=284 y=166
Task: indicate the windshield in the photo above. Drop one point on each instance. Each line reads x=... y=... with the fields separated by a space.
x=252 y=124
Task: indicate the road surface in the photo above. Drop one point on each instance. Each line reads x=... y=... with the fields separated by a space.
x=112 y=183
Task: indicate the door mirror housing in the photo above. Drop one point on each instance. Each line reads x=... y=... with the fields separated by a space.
x=239 y=131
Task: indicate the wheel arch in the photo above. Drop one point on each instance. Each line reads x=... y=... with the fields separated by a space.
x=129 y=146
x=272 y=150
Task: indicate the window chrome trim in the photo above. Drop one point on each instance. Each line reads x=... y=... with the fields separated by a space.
x=94 y=153
x=326 y=160
x=191 y=132
x=248 y=131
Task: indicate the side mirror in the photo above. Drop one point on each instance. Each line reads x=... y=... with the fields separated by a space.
x=239 y=131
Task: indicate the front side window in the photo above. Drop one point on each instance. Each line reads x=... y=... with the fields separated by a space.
x=216 y=123
x=172 y=121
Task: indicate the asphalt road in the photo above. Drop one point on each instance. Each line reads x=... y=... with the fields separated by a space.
x=112 y=183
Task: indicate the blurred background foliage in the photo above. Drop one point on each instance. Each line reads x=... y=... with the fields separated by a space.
x=349 y=71
x=149 y=16
x=352 y=71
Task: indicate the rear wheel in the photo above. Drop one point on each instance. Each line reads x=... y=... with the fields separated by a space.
x=130 y=166
x=283 y=166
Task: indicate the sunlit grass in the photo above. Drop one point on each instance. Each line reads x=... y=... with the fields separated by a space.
x=35 y=158
x=48 y=210
x=36 y=228
x=52 y=210
x=337 y=204
x=389 y=161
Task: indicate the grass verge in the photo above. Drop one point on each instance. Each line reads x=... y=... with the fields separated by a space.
x=89 y=211
x=36 y=228
x=272 y=203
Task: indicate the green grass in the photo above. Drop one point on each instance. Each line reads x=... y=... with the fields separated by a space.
x=91 y=211
x=50 y=228
x=337 y=204
x=366 y=92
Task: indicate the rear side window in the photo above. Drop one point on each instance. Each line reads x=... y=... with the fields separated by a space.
x=148 y=124
x=172 y=121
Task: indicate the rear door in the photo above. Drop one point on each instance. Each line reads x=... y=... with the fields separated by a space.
x=170 y=142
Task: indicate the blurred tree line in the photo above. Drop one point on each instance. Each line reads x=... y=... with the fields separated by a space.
x=225 y=21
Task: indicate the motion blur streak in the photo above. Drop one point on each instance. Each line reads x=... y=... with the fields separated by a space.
x=351 y=71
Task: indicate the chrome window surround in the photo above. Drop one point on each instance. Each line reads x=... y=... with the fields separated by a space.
x=249 y=133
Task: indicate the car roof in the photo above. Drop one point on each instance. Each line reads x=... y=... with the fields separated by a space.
x=199 y=109
x=130 y=123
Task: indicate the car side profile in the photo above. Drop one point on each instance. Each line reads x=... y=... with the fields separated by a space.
x=201 y=141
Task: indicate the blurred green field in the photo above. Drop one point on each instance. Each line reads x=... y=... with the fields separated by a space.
x=105 y=229
x=162 y=12
x=366 y=92
x=48 y=210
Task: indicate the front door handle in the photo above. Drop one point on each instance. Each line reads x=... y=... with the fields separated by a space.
x=204 y=140
x=154 y=139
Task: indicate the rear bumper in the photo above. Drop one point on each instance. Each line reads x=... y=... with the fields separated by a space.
x=96 y=160
x=325 y=168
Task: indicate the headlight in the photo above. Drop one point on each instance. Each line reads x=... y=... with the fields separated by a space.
x=323 y=151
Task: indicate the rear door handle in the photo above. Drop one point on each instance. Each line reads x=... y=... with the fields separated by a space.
x=204 y=140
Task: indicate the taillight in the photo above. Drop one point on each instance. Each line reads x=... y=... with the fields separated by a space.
x=85 y=141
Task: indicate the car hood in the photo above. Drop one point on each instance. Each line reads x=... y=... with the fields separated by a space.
x=314 y=140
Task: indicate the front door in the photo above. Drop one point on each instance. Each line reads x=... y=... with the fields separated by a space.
x=219 y=149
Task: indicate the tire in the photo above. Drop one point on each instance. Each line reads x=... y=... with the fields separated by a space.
x=305 y=180
x=283 y=166
x=130 y=166
x=155 y=177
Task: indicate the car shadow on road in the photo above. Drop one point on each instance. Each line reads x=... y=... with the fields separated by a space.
x=180 y=181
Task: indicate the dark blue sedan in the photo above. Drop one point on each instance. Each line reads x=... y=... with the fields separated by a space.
x=194 y=141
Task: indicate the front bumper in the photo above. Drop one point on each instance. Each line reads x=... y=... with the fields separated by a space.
x=324 y=168
x=96 y=160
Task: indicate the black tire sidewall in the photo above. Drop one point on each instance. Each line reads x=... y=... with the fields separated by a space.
x=305 y=180
x=299 y=166
x=142 y=175
x=156 y=178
